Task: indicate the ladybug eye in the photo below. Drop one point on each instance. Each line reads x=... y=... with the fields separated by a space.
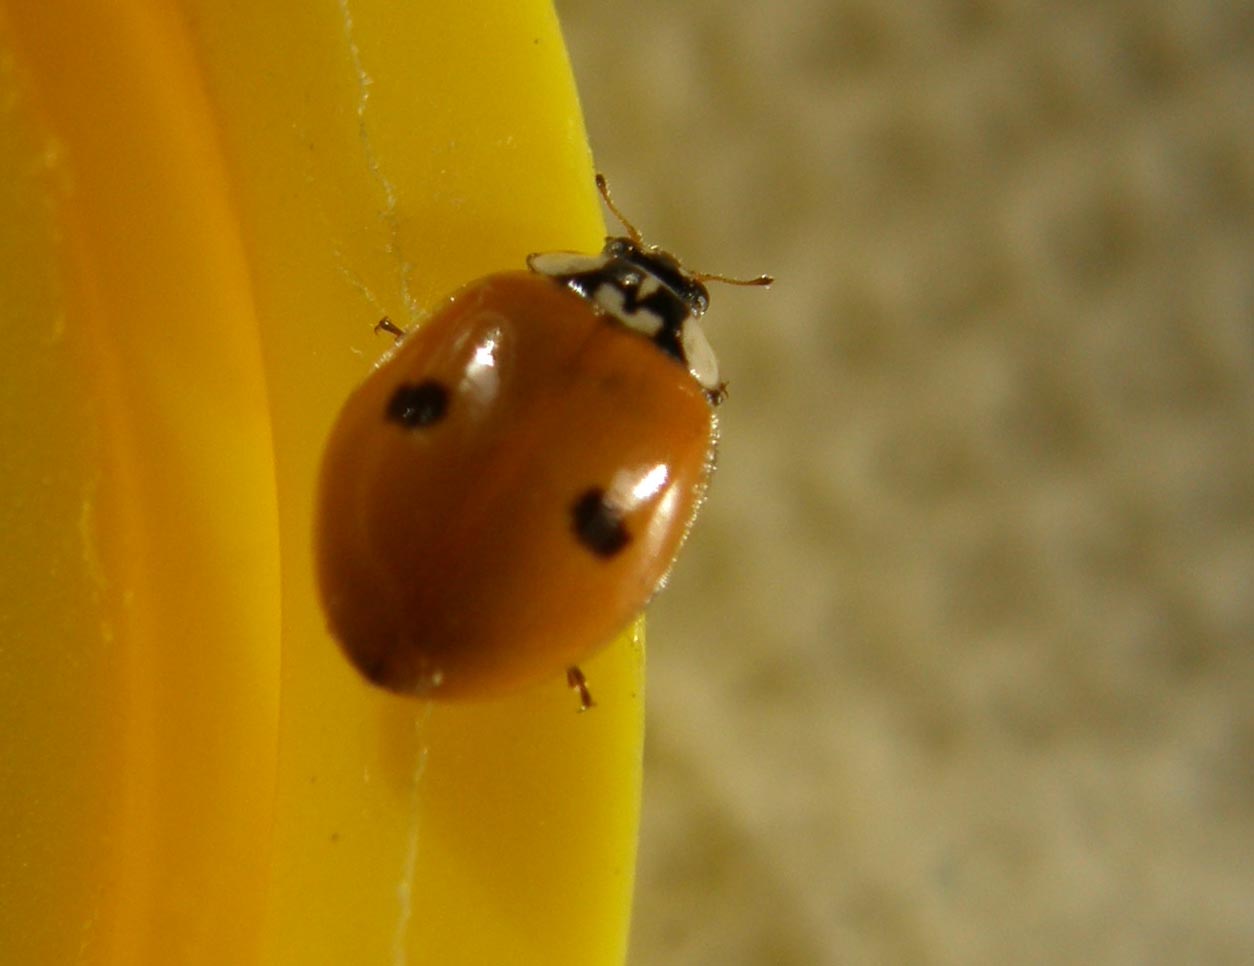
x=415 y=405
x=598 y=524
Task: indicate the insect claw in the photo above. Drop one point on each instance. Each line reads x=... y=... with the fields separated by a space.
x=391 y=328
x=577 y=682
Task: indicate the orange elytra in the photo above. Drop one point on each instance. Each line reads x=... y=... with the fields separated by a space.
x=509 y=487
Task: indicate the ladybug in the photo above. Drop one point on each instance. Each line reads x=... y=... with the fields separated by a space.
x=510 y=485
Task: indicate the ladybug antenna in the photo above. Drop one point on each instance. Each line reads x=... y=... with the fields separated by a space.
x=763 y=280
x=632 y=232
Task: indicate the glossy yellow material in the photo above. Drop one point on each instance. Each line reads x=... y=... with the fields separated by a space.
x=204 y=207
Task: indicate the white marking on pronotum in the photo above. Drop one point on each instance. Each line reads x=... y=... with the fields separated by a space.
x=611 y=300
x=648 y=285
x=560 y=264
x=698 y=352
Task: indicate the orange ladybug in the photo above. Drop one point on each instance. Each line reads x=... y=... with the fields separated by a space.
x=511 y=484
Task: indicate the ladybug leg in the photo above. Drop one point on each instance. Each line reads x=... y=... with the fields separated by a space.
x=718 y=394
x=577 y=682
x=391 y=328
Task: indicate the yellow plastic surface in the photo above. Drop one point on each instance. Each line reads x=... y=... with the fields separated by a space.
x=204 y=208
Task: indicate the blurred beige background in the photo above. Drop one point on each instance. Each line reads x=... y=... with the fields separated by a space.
x=957 y=667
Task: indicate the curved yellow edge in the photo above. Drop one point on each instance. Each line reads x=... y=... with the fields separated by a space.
x=204 y=209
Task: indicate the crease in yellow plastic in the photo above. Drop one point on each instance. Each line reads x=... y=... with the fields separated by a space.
x=229 y=195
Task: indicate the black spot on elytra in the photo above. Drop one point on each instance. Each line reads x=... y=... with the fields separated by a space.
x=597 y=524
x=415 y=405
